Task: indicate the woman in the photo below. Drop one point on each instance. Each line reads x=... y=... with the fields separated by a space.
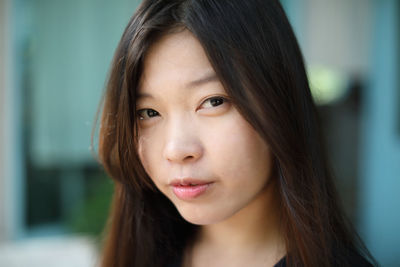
x=211 y=135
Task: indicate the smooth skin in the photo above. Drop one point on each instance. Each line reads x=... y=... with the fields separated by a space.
x=189 y=128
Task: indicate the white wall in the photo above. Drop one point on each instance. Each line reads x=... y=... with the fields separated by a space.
x=11 y=159
x=4 y=130
x=338 y=33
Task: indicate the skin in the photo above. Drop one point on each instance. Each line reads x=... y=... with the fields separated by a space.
x=188 y=127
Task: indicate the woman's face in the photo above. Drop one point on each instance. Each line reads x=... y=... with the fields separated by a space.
x=193 y=143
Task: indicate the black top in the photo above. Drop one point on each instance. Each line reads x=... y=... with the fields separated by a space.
x=281 y=263
x=354 y=260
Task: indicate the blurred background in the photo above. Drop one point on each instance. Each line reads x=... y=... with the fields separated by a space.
x=54 y=59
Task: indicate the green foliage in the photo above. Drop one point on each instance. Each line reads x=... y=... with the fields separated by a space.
x=91 y=216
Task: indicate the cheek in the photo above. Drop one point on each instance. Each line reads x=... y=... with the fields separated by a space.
x=239 y=152
x=146 y=154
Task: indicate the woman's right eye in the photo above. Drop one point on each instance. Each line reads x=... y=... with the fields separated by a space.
x=147 y=113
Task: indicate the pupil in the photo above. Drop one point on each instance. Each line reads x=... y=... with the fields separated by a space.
x=216 y=101
x=151 y=113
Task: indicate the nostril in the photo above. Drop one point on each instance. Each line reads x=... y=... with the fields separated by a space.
x=189 y=158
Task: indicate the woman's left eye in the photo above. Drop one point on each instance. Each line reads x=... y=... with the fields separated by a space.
x=213 y=102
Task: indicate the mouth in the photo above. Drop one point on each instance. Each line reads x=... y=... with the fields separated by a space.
x=189 y=189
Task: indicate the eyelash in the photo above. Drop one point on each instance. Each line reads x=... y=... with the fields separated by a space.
x=140 y=111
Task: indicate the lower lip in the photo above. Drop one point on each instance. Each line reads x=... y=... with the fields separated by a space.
x=190 y=192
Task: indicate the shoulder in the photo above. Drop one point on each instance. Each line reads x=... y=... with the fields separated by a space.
x=350 y=258
x=176 y=262
x=358 y=261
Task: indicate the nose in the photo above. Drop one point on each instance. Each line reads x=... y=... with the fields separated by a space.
x=182 y=143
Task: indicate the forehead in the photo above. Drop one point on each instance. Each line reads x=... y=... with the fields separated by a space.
x=177 y=58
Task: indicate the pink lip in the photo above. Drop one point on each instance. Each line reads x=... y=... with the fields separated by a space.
x=187 y=189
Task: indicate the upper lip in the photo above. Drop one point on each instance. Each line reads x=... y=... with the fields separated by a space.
x=188 y=181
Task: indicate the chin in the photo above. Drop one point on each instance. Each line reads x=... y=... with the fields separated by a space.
x=199 y=217
x=198 y=221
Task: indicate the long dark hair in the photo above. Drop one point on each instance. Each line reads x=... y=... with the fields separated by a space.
x=254 y=52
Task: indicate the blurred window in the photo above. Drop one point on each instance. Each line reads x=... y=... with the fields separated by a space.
x=65 y=52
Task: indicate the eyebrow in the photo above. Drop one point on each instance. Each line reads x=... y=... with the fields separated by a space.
x=210 y=77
